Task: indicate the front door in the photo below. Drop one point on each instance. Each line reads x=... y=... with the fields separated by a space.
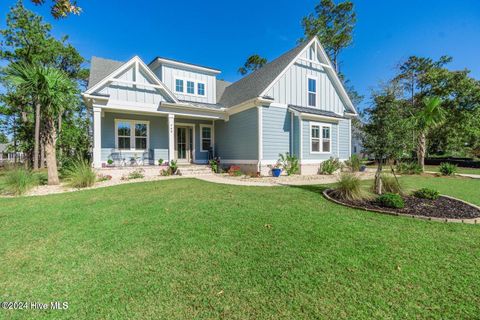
x=183 y=144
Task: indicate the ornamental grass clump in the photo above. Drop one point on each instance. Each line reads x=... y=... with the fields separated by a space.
x=329 y=166
x=447 y=169
x=390 y=184
x=80 y=174
x=349 y=187
x=354 y=163
x=18 y=181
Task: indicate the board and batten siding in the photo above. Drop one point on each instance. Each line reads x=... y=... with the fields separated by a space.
x=168 y=74
x=237 y=138
x=276 y=132
x=291 y=88
x=132 y=93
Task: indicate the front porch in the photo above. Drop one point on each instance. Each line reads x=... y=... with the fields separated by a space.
x=124 y=139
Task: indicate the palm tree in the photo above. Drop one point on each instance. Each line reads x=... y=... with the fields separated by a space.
x=52 y=90
x=430 y=116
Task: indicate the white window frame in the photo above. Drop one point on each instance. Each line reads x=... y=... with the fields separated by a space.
x=132 y=134
x=195 y=87
x=310 y=77
x=183 y=85
x=204 y=89
x=212 y=136
x=321 y=126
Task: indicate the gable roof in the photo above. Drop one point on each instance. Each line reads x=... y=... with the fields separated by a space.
x=179 y=62
x=100 y=68
x=255 y=83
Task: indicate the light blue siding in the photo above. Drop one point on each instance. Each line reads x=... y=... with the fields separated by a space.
x=306 y=142
x=158 y=136
x=276 y=132
x=296 y=137
x=237 y=139
x=344 y=143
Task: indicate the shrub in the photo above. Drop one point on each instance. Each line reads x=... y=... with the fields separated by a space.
x=136 y=174
x=104 y=177
x=214 y=165
x=173 y=167
x=18 y=181
x=349 y=187
x=329 y=166
x=42 y=177
x=390 y=184
x=391 y=200
x=354 y=163
x=427 y=193
x=160 y=162
x=235 y=171
x=289 y=163
x=409 y=168
x=447 y=169
x=80 y=174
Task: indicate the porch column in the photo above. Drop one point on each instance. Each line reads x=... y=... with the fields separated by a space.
x=171 y=136
x=97 y=137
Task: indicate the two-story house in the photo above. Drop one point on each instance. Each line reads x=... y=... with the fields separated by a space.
x=174 y=110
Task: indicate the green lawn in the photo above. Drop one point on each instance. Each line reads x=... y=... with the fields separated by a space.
x=459 y=170
x=185 y=249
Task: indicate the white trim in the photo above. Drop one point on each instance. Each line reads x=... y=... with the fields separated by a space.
x=312 y=77
x=97 y=137
x=132 y=62
x=317 y=117
x=171 y=137
x=254 y=102
x=320 y=137
x=232 y=161
x=212 y=139
x=300 y=126
x=132 y=134
x=260 y=136
x=186 y=65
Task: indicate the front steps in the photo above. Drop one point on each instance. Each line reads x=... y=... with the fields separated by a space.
x=192 y=170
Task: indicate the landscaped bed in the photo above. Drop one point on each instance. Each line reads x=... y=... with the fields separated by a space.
x=443 y=207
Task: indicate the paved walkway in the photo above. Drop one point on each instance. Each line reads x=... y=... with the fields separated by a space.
x=466 y=175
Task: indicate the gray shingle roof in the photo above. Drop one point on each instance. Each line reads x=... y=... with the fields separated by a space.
x=315 y=111
x=221 y=86
x=100 y=68
x=255 y=83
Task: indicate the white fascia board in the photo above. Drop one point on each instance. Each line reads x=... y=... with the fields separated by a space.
x=309 y=116
x=255 y=102
x=186 y=65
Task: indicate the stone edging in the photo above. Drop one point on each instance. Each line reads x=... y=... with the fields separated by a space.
x=393 y=213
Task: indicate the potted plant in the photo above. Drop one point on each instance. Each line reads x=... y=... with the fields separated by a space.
x=160 y=162
x=109 y=163
x=276 y=169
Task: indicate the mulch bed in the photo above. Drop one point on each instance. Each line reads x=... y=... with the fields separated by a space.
x=443 y=207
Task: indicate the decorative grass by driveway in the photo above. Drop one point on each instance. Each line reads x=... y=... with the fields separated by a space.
x=184 y=249
x=459 y=170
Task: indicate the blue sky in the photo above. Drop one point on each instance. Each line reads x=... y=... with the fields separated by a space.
x=222 y=34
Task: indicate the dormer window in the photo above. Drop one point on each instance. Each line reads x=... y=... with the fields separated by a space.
x=179 y=85
x=201 y=89
x=190 y=87
x=312 y=92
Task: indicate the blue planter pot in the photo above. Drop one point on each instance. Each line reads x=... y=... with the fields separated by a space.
x=363 y=168
x=276 y=172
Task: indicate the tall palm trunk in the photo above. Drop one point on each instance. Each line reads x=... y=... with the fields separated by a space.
x=37 y=136
x=50 y=142
x=422 y=142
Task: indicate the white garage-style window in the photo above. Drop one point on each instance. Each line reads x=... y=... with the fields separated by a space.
x=131 y=135
x=206 y=136
x=320 y=138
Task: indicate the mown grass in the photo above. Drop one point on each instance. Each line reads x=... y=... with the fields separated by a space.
x=184 y=249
